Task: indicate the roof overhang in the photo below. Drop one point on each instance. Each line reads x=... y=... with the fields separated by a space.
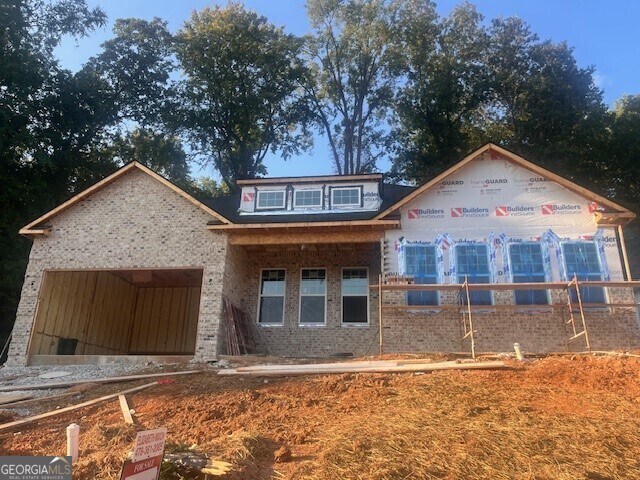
x=318 y=179
x=363 y=231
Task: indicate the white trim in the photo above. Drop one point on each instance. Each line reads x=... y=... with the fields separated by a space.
x=357 y=204
x=546 y=277
x=491 y=280
x=272 y=207
x=284 y=298
x=326 y=280
x=302 y=207
x=342 y=295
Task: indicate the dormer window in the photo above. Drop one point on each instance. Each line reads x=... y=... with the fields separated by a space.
x=307 y=198
x=271 y=200
x=346 y=196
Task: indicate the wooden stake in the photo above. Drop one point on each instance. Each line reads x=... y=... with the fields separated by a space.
x=73 y=407
x=473 y=340
x=584 y=323
x=625 y=256
x=380 y=312
x=126 y=411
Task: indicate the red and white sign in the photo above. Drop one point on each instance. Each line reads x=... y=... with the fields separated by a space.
x=502 y=211
x=547 y=210
x=147 y=456
x=248 y=197
x=413 y=214
x=594 y=207
x=456 y=212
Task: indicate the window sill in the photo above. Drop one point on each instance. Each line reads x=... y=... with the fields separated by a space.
x=312 y=325
x=355 y=325
x=271 y=325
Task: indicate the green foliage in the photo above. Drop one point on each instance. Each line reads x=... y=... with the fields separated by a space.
x=440 y=105
x=351 y=57
x=239 y=96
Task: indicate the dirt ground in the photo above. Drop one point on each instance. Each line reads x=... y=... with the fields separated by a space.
x=553 y=418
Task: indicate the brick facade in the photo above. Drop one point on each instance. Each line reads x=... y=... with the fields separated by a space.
x=135 y=222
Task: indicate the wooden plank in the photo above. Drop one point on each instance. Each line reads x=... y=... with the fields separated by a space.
x=275 y=226
x=318 y=179
x=128 y=378
x=126 y=411
x=328 y=369
x=369 y=236
x=12 y=398
x=40 y=399
x=73 y=407
x=504 y=286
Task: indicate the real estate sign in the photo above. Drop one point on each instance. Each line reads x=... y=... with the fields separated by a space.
x=147 y=456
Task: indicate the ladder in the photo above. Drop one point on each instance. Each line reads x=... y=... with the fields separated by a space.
x=572 y=318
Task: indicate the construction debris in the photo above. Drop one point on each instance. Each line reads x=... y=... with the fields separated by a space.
x=40 y=386
x=237 y=334
x=383 y=366
x=73 y=407
x=126 y=411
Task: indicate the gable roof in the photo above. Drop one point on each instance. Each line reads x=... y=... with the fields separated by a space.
x=37 y=228
x=518 y=160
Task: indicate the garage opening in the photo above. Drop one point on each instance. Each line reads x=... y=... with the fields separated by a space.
x=117 y=312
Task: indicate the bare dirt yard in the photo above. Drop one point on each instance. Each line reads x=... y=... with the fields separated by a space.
x=553 y=418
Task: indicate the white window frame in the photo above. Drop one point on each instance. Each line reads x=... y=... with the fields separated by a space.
x=284 y=298
x=491 y=277
x=335 y=189
x=274 y=207
x=326 y=280
x=295 y=198
x=342 y=295
x=546 y=275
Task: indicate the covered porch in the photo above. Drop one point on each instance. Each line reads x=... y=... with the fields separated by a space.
x=304 y=290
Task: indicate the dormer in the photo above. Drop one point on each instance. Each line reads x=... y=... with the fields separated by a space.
x=294 y=195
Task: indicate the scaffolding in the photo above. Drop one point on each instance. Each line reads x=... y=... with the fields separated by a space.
x=574 y=309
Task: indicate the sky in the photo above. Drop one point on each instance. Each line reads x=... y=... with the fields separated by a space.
x=604 y=34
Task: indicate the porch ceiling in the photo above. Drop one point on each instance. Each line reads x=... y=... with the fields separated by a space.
x=311 y=248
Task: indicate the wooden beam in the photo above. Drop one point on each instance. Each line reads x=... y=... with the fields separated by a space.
x=40 y=386
x=305 y=238
x=382 y=224
x=73 y=407
x=625 y=256
x=504 y=286
x=126 y=411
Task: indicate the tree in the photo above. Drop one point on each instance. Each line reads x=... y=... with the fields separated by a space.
x=545 y=106
x=31 y=86
x=136 y=65
x=240 y=93
x=440 y=105
x=350 y=89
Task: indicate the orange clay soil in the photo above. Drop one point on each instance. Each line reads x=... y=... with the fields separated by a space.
x=554 y=418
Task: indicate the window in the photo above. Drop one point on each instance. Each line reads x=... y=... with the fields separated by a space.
x=473 y=263
x=313 y=295
x=355 y=296
x=421 y=265
x=271 y=305
x=308 y=198
x=271 y=199
x=581 y=259
x=345 y=196
x=527 y=266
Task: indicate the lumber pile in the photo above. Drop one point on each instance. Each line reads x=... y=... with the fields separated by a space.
x=236 y=328
x=382 y=366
